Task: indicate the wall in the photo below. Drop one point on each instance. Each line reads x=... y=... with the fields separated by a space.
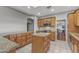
x=62 y=16
x=12 y=21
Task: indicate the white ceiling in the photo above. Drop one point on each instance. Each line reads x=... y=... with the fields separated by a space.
x=43 y=10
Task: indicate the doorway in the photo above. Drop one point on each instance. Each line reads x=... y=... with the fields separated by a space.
x=61 y=30
x=30 y=25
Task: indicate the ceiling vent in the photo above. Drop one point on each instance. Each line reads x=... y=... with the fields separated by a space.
x=48 y=7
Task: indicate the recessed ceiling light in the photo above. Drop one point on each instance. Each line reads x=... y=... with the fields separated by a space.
x=52 y=9
x=39 y=13
x=28 y=7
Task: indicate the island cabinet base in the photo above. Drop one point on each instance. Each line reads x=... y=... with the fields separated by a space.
x=40 y=44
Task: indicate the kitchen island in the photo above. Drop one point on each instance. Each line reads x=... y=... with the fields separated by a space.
x=40 y=42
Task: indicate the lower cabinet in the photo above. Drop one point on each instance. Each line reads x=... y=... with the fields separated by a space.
x=74 y=44
x=20 y=38
x=52 y=36
x=78 y=47
x=40 y=44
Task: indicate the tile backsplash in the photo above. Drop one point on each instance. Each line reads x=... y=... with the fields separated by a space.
x=47 y=28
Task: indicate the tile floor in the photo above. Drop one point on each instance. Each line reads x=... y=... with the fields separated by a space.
x=59 y=47
x=55 y=47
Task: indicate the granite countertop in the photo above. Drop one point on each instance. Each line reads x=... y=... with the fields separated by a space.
x=41 y=34
x=6 y=45
x=75 y=35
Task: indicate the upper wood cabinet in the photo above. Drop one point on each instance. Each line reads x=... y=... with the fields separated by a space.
x=73 y=17
x=50 y=21
x=40 y=22
x=77 y=18
x=73 y=21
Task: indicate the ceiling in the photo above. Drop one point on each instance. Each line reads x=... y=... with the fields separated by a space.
x=44 y=10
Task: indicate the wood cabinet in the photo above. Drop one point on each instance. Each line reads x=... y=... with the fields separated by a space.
x=50 y=21
x=24 y=38
x=72 y=23
x=78 y=47
x=29 y=37
x=74 y=44
x=77 y=17
x=53 y=21
x=40 y=44
x=73 y=27
x=40 y=23
x=52 y=36
x=20 y=38
x=13 y=37
x=73 y=19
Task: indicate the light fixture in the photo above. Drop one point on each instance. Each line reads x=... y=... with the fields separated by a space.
x=28 y=7
x=39 y=13
x=52 y=9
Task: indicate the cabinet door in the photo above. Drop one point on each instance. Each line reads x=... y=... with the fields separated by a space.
x=71 y=20
x=37 y=44
x=29 y=38
x=74 y=44
x=40 y=22
x=78 y=47
x=77 y=18
x=13 y=37
x=24 y=40
x=19 y=40
x=71 y=23
x=52 y=21
x=52 y=36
